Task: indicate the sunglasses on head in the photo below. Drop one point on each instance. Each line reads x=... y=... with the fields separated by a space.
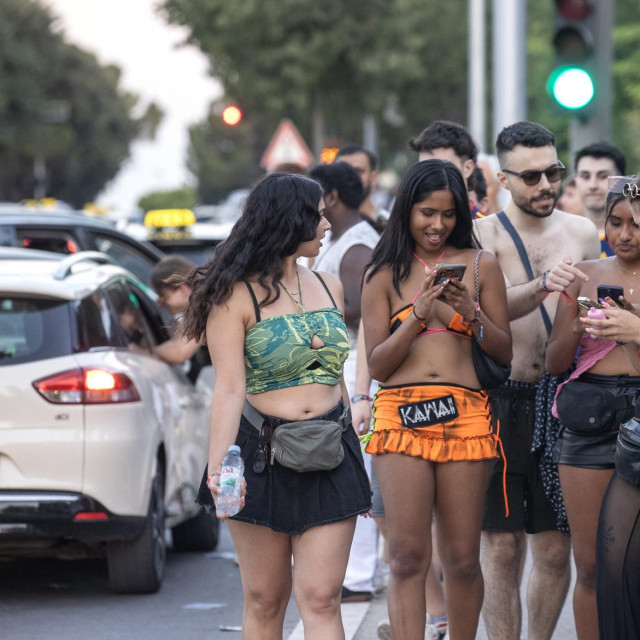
x=531 y=178
x=625 y=185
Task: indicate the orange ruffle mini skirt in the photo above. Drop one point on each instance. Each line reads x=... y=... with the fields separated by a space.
x=436 y=422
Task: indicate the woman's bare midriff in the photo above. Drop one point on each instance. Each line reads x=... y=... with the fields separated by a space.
x=297 y=403
x=437 y=357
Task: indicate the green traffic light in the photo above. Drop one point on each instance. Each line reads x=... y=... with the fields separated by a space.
x=571 y=87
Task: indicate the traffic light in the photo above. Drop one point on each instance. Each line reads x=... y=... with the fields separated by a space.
x=572 y=82
x=231 y=115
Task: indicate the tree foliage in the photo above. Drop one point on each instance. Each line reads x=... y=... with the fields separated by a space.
x=403 y=61
x=59 y=104
x=183 y=198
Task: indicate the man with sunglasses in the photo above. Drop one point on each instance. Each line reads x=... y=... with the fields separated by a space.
x=553 y=241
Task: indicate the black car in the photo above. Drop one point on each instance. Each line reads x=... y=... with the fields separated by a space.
x=68 y=232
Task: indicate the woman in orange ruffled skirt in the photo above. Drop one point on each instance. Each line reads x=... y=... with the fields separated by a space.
x=432 y=436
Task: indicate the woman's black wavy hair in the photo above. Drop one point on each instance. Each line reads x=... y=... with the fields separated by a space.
x=397 y=244
x=280 y=213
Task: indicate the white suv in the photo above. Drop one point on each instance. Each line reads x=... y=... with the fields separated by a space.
x=101 y=444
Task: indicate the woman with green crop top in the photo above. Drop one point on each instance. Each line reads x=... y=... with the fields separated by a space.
x=277 y=339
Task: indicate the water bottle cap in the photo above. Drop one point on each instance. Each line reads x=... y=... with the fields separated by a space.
x=234 y=448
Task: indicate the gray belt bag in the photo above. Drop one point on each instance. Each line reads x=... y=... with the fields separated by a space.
x=303 y=445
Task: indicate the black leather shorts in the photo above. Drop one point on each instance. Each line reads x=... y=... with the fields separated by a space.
x=596 y=450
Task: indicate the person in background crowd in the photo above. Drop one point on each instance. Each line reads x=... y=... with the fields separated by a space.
x=496 y=193
x=593 y=165
x=618 y=538
x=554 y=241
x=290 y=167
x=168 y=279
x=603 y=374
x=477 y=188
x=432 y=437
x=350 y=249
x=277 y=339
x=365 y=162
x=569 y=198
x=449 y=141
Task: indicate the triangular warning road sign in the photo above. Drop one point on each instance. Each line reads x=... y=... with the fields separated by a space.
x=287 y=145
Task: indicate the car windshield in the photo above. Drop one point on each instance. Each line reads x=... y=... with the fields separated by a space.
x=33 y=329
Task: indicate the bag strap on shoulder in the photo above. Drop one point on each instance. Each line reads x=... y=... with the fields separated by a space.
x=517 y=240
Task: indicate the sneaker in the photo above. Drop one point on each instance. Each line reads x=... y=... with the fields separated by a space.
x=381 y=577
x=356 y=596
x=438 y=630
x=431 y=632
x=384 y=630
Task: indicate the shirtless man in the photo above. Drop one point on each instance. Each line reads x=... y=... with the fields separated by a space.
x=554 y=241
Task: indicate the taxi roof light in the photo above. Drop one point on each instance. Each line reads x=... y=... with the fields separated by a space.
x=162 y=218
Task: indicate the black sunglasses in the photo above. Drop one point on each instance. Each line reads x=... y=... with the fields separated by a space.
x=262 y=452
x=531 y=178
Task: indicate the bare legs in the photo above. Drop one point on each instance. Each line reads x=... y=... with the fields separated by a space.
x=320 y=559
x=410 y=488
x=502 y=555
x=583 y=491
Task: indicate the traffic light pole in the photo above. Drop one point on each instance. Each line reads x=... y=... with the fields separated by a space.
x=477 y=76
x=596 y=126
x=509 y=63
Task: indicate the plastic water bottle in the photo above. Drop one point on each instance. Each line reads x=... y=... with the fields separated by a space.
x=230 y=482
x=597 y=314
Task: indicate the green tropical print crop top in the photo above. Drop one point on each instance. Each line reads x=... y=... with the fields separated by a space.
x=278 y=351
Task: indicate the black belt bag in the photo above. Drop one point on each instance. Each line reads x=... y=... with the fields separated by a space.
x=627 y=457
x=586 y=407
x=302 y=445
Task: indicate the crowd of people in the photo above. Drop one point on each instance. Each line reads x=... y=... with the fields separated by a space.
x=320 y=302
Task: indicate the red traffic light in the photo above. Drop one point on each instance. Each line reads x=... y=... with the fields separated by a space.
x=574 y=9
x=231 y=115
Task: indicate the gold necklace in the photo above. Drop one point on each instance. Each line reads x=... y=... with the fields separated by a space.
x=299 y=294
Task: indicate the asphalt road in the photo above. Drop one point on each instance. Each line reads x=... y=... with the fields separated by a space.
x=71 y=600
x=200 y=599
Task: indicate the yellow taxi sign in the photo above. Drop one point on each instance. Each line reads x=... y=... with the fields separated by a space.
x=162 y=218
x=43 y=203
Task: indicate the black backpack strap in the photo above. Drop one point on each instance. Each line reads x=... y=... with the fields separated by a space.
x=256 y=306
x=517 y=240
x=324 y=284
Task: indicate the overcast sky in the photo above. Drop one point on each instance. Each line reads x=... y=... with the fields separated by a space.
x=154 y=66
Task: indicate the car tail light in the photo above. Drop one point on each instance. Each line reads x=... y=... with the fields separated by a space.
x=91 y=516
x=87 y=386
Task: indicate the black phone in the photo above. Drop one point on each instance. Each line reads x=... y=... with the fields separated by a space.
x=449 y=272
x=588 y=303
x=610 y=291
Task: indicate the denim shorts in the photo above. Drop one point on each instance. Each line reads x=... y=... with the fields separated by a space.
x=291 y=502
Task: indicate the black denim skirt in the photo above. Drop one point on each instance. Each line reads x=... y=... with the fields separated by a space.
x=596 y=450
x=291 y=502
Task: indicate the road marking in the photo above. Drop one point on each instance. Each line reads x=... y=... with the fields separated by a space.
x=353 y=614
